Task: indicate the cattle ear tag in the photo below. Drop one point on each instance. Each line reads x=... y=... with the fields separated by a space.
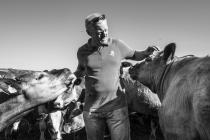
x=111 y=53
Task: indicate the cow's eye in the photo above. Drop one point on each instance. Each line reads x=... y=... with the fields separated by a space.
x=40 y=77
x=148 y=59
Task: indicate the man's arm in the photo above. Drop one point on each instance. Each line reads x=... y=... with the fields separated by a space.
x=80 y=71
x=136 y=55
x=140 y=55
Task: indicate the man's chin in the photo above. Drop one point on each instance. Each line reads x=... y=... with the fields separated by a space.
x=104 y=42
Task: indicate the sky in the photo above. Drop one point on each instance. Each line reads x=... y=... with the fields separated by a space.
x=46 y=34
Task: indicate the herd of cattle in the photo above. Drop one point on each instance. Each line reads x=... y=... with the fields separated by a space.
x=168 y=98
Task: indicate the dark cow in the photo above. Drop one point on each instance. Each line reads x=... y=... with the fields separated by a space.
x=183 y=86
x=143 y=107
x=139 y=98
x=33 y=88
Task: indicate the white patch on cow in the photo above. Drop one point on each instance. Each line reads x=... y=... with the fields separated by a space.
x=12 y=90
x=15 y=125
x=56 y=118
x=125 y=72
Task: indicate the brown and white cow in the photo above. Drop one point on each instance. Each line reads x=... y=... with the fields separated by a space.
x=183 y=86
x=33 y=88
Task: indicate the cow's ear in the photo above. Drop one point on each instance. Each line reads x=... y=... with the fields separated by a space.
x=169 y=51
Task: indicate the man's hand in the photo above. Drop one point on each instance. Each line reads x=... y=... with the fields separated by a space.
x=151 y=49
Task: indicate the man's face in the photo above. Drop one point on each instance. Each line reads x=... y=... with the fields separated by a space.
x=99 y=32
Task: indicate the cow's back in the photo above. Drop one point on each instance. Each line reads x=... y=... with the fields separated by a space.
x=187 y=96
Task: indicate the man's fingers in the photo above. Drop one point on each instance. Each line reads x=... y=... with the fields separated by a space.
x=155 y=48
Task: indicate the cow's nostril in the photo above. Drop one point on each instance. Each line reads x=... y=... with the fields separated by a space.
x=57 y=105
x=17 y=79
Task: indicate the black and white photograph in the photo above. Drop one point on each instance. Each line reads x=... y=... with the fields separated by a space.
x=104 y=70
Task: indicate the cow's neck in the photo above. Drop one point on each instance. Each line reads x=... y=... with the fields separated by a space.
x=159 y=88
x=14 y=109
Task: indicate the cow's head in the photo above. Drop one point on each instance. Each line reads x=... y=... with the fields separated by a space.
x=139 y=97
x=149 y=71
x=41 y=86
x=34 y=88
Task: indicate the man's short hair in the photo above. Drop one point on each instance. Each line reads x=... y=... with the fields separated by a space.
x=93 y=19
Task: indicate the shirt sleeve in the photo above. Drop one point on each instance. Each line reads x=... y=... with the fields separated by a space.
x=126 y=51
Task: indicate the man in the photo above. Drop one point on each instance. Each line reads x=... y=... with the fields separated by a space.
x=99 y=61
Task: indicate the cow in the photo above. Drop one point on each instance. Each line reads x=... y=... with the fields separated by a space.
x=183 y=86
x=139 y=98
x=143 y=107
x=33 y=88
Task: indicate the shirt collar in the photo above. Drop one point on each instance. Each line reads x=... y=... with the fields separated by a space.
x=93 y=47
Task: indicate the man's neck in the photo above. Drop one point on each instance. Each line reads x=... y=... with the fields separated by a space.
x=94 y=43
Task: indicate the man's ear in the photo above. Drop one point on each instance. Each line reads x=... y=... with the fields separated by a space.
x=88 y=32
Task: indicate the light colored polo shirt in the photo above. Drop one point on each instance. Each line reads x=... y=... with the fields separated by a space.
x=101 y=67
